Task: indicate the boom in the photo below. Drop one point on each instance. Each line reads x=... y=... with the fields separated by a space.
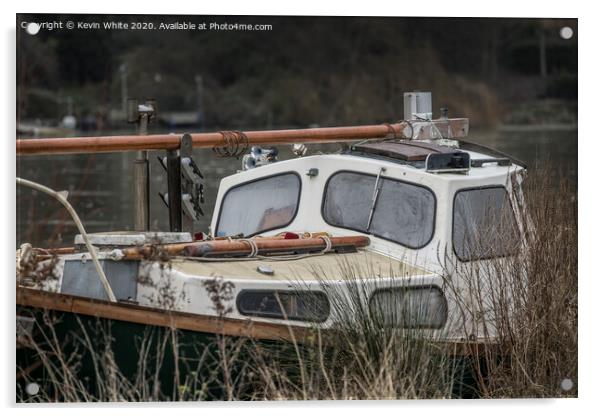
x=414 y=129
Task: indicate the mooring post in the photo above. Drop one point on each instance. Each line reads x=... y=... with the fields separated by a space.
x=142 y=114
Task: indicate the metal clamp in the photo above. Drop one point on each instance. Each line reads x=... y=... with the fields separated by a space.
x=185 y=191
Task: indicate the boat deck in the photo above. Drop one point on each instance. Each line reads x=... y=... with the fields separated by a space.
x=364 y=263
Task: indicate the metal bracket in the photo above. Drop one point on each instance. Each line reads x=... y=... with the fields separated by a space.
x=184 y=187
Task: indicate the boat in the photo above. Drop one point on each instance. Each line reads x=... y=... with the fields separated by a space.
x=398 y=210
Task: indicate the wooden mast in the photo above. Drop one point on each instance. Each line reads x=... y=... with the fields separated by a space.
x=104 y=144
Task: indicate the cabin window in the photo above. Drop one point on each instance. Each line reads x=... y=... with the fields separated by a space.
x=398 y=211
x=260 y=205
x=484 y=225
x=301 y=305
x=409 y=307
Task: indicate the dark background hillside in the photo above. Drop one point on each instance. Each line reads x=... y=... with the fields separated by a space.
x=305 y=70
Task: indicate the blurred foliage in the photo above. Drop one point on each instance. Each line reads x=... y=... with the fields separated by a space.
x=306 y=70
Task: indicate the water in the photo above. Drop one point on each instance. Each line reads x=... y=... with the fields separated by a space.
x=537 y=148
x=100 y=186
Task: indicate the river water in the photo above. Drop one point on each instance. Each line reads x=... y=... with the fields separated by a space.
x=100 y=186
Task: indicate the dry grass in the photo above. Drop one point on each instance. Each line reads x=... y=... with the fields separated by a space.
x=529 y=300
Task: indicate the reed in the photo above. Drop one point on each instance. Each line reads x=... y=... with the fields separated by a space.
x=531 y=299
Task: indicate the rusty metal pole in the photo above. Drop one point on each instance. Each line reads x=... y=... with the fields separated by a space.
x=173 y=165
x=142 y=115
x=458 y=127
x=142 y=182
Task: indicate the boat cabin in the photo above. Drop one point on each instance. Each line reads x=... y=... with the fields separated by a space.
x=386 y=191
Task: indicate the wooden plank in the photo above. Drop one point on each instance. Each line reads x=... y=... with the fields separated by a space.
x=159 y=317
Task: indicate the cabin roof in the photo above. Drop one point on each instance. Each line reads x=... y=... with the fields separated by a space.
x=484 y=161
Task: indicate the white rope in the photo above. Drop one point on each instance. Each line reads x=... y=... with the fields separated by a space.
x=80 y=227
x=253 y=245
x=328 y=243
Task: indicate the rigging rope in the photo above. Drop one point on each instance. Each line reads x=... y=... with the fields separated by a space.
x=59 y=197
x=235 y=144
x=254 y=248
x=328 y=243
